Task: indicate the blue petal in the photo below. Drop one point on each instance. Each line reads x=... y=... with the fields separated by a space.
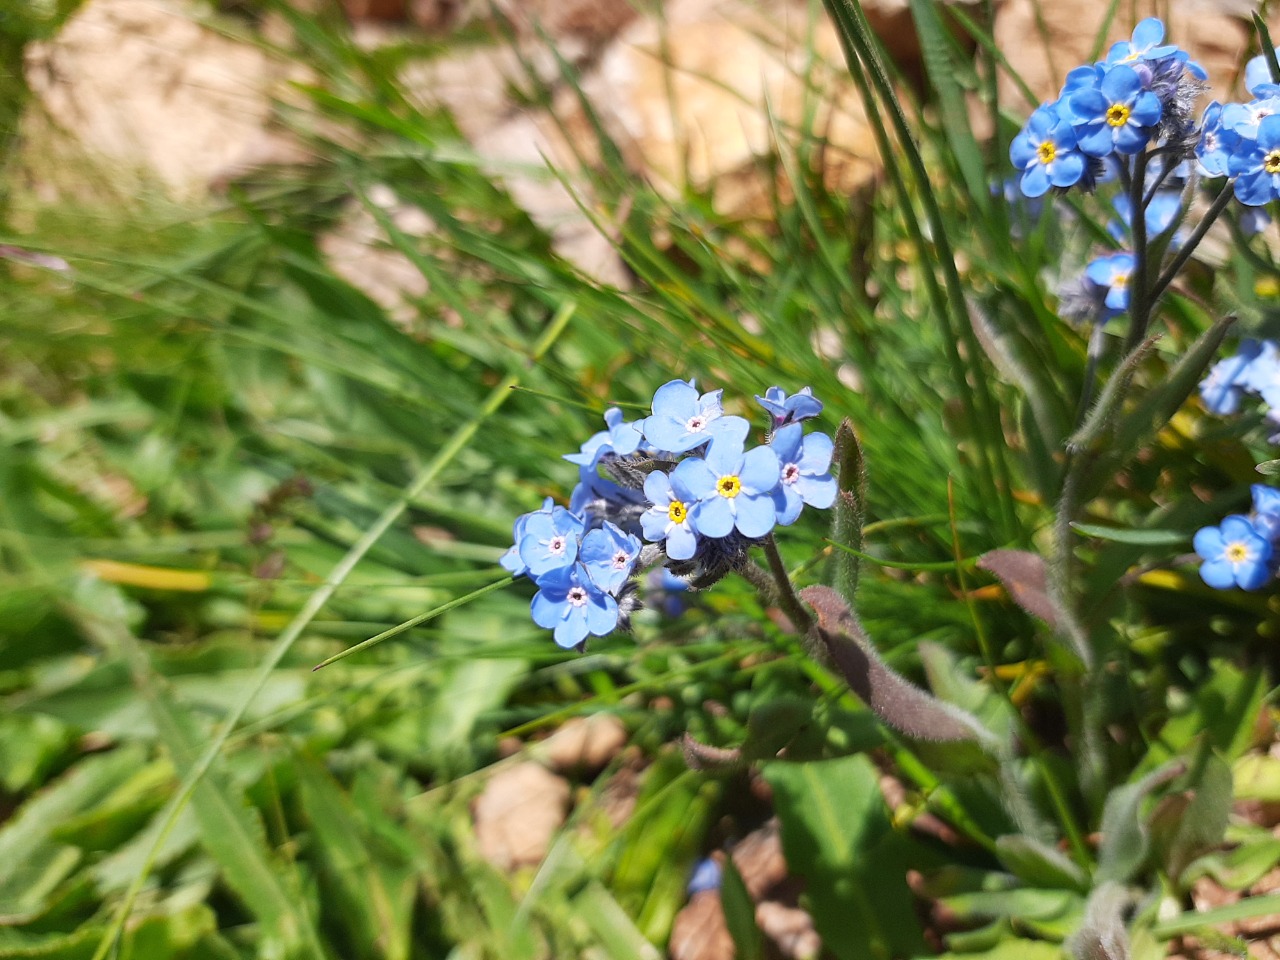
x=1148 y=33
x=756 y=514
x=602 y=614
x=1096 y=140
x=729 y=430
x=816 y=456
x=680 y=478
x=666 y=433
x=818 y=492
x=1120 y=84
x=786 y=442
x=1146 y=110
x=1208 y=543
x=653 y=522
x=547 y=609
x=1034 y=182
x=1022 y=152
x=676 y=399
x=1251 y=576
x=760 y=469
x=1218 y=574
x=681 y=542
x=657 y=489
x=788 y=504
x=1067 y=169
x=724 y=459
x=713 y=517
x=695 y=476
x=1269 y=132
x=572 y=630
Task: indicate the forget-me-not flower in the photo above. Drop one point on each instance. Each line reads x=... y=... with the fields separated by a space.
x=1118 y=115
x=670 y=518
x=511 y=560
x=619 y=436
x=683 y=420
x=550 y=540
x=571 y=605
x=608 y=554
x=734 y=490
x=1256 y=165
x=805 y=475
x=789 y=409
x=1046 y=153
x=1113 y=274
x=1235 y=554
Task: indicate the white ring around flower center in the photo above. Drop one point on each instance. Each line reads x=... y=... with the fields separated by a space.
x=696 y=423
x=620 y=560
x=790 y=473
x=556 y=545
x=576 y=596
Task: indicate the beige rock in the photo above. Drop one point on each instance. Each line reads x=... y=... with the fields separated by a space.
x=143 y=92
x=699 y=95
x=584 y=743
x=359 y=251
x=699 y=931
x=790 y=928
x=518 y=814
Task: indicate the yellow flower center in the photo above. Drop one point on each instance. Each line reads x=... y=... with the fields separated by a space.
x=1237 y=552
x=1118 y=114
x=677 y=511
x=1120 y=280
x=1271 y=162
x=1047 y=151
x=729 y=487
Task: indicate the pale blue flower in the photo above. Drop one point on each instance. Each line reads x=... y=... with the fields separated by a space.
x=569 y=603
x=805 y=475
x=734 y=490
x=682 y=420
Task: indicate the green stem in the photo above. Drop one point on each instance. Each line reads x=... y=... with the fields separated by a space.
x=1140 y=299
x=787 y=598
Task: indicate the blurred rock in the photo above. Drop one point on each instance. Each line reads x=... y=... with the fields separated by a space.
x=690 y=98
x=584 y=743
x=758 y=857
x=518 y=814
x=359 y=251
x=790 y=929
x=699 y=931
x=138 y=93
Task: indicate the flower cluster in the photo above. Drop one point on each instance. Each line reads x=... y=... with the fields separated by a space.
x=1242 y=140
x=1241 y=551
x=1143 y=92
x=1253 y=371
x=682 y=479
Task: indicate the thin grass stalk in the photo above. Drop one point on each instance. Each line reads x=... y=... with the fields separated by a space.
x=859 y=47
x=284 y=643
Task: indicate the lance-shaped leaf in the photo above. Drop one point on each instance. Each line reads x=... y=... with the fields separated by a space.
x=1025 y=577
x=1125 y=838
x=896 y=701
x=1103 y=934
x=851 y=508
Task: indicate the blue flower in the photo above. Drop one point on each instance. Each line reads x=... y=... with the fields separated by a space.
x=550 y=541
x=1256 y=165
x=805 y=476
x=620 y=437
x=1162 y=211
x=569 y=603
x=733 y=490
x=682 y=420
x=706 y=876
x=1117 y=116
x=792 y=409
x=1146 y=43
x=1046 y=153
x=1112 y=274
x=1266 y=511
x=1257 y=73
x=1229 y=378
x=1216 y=142
x=666 y=592
x=1234 y=554
x=1253 y=221
x=671 y=516
x=609 y=555
x=511 y=559
x=1243 y=119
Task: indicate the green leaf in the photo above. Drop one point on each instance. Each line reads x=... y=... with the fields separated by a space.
x=740 y=914
x=1146 y=538
x=837 y=835
x=1039 y=865
x=1223 y=707
x=1125 y=838
x=36 y=861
